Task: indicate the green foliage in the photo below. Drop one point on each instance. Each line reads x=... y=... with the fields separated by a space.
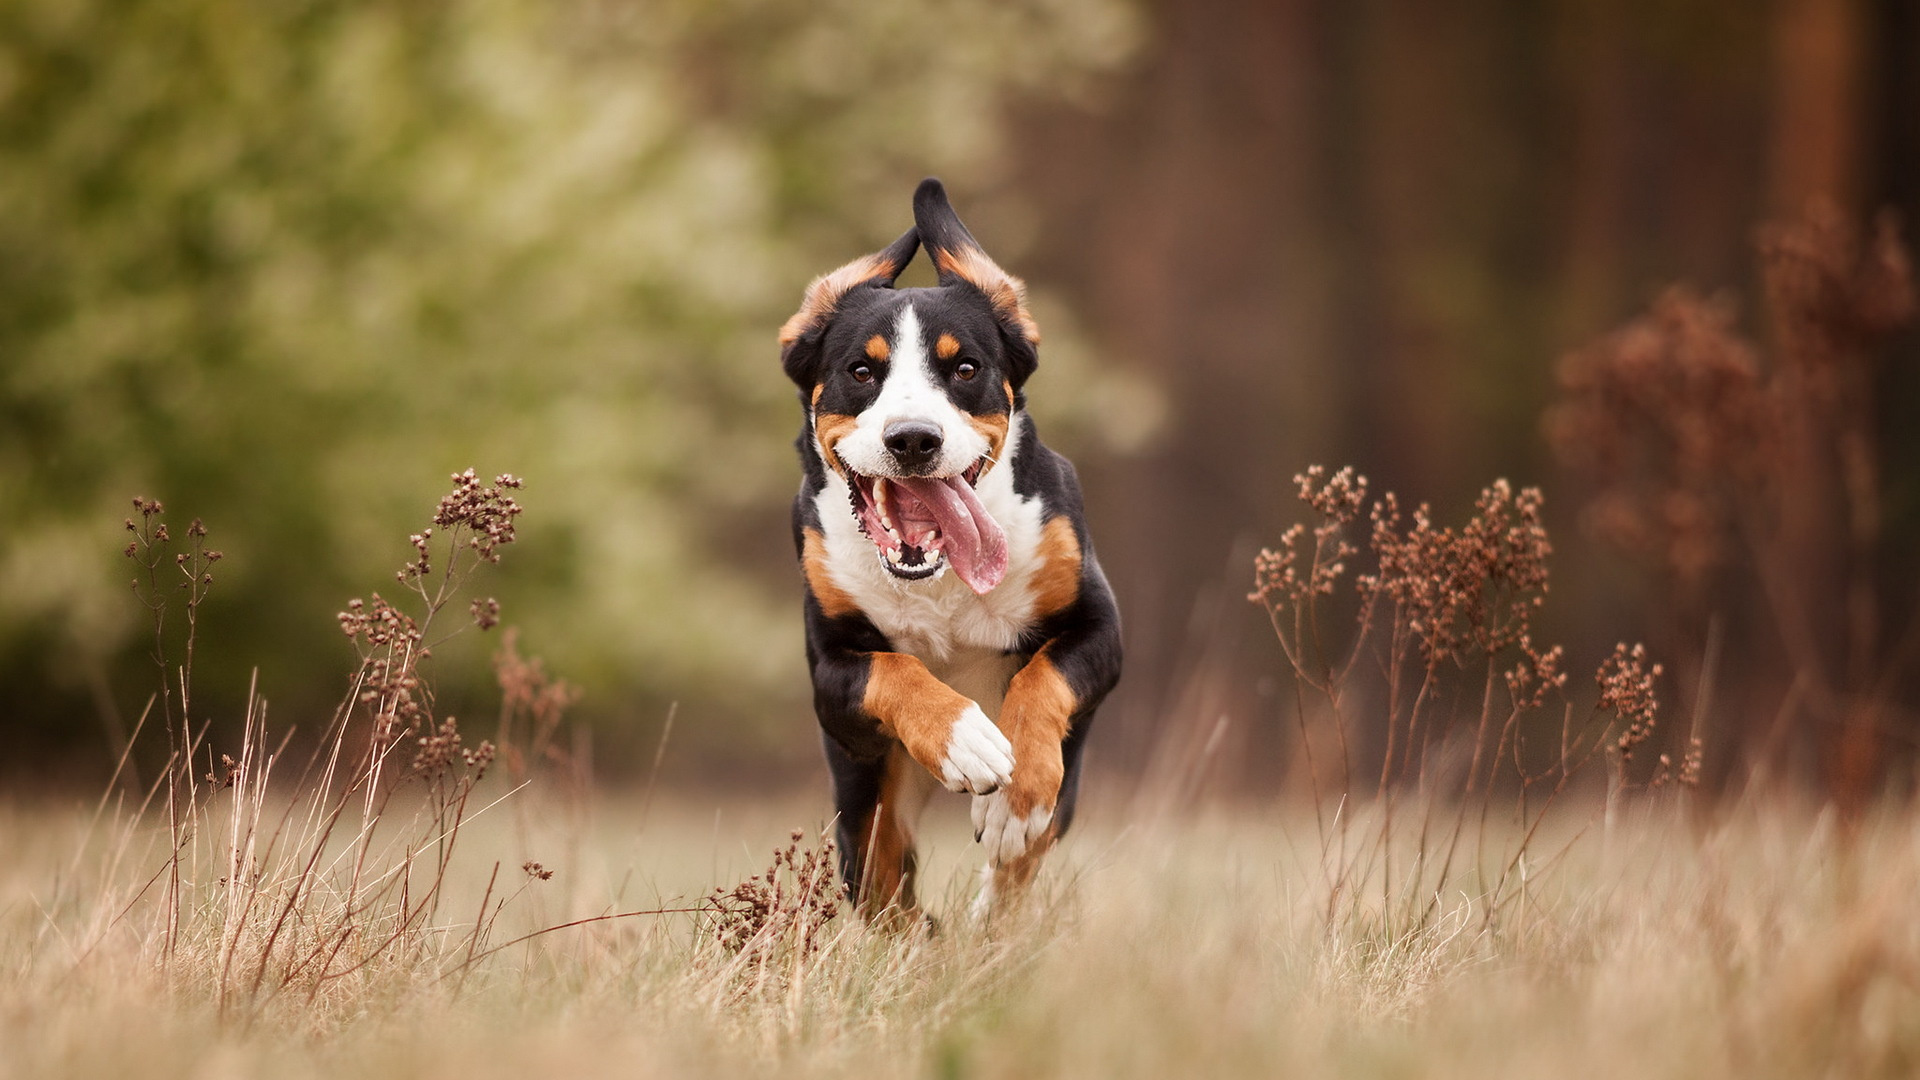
x=287 y=265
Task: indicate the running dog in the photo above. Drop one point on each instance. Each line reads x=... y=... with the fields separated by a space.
x=959 y=629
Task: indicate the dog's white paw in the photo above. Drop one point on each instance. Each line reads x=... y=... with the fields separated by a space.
x=1007 y=835
x=979 y=758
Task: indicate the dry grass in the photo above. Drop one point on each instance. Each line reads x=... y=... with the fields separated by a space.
x=1766 y=946
x=398 y=908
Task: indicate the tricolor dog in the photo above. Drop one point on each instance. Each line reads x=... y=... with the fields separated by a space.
x=959 y=630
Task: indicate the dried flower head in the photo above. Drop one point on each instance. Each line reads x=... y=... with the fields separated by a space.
x=1291 y=573
x=1475 y=588
x=1626 y=691
x=1537 y=674
x=783 y=909
x=1669 y=417
x=479 y=758
x=486 y=512
x=486 y=612
x=1832 y=290
x=230 y=772
x=391 y=646
x=529 y=699
x=422 y=564
x=437 y=748
x=1690 y=764
x=1276 y=576
x=1339 y=499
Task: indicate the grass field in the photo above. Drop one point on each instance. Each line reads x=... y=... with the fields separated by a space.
x=1774 y=943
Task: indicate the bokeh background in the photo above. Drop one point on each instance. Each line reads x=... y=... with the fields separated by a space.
x=286 y=266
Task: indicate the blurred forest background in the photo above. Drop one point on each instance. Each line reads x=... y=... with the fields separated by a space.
x=285 y=266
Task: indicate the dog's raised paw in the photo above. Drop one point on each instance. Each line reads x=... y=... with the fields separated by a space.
x=979 y=758
x=1005 y=834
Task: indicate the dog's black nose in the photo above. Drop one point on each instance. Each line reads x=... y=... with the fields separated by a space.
x=913 y=443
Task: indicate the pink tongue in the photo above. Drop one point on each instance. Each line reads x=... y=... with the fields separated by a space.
x=973 y=541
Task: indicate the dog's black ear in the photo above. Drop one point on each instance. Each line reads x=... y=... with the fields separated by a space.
x=800 y=336
x=959 y=258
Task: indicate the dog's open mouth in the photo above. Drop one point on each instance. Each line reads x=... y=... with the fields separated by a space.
x=921 y=524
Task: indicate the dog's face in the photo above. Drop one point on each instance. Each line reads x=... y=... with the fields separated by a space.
x=910 y=393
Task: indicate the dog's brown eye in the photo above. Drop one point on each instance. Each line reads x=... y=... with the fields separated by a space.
x=861 y=373
x=964 y=370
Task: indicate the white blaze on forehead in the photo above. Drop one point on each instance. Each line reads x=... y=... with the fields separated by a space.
x=911 y=390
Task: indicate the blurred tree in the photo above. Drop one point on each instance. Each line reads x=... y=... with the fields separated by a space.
x=1820 y=53
x=1363 y=232
x=287 y=265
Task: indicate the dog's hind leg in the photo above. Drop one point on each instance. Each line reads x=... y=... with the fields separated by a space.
x=879 y=805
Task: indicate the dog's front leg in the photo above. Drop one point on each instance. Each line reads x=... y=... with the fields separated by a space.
x=1036 y=716
x=941 y=728
x=1058 y=688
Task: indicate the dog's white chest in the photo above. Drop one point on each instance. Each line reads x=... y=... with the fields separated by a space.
x=939 y=620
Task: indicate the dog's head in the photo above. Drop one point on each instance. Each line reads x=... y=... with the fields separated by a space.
x=911 y=392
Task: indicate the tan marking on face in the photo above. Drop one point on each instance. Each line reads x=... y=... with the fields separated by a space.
x=912 y=706
x=818 y=389
x=1007 y=293
x=833 y=600
x=1035 y=718
x=946 y=347
x=828 y=430
x=1005 y=384
x=877 y=348
x=888 y=865
x=1056 y=585
x=824 y=293
x=992 y=428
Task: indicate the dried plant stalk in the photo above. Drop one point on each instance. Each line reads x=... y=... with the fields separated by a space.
x=1467 y=716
